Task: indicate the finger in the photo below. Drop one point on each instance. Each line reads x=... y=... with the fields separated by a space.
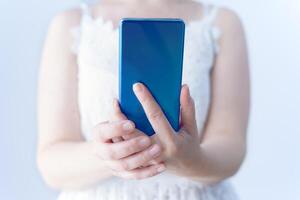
x=115 y=117
x=117 y=139
x=117 y=113
x=188 y=115
x=153 y=112
x=155 y=161
x=135 y=133
x=141 y=158
x=105 y=131
x=144 y=172
x=116 y=151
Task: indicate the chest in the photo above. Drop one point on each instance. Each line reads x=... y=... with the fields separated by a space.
x=98 y=70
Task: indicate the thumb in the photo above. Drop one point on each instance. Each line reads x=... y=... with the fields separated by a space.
x=188 y=116
x=116 y=116
x=117 y=113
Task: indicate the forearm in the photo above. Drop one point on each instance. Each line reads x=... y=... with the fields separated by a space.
x=220 y=158
x=71 y=165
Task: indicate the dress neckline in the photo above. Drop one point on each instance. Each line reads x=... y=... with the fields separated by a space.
x=109 y=24
x=209 y=13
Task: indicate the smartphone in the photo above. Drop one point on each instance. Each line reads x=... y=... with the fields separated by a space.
x=151 y=52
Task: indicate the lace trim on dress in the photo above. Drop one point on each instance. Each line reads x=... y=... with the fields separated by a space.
x=153 y=191
x=210 y=14
x=76 y=31
x=214 y=30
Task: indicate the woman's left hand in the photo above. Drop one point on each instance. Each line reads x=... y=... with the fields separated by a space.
x=181 y=150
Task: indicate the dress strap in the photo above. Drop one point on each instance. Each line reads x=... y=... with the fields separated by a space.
x=77 y=31
x=210 y=13
x=85 y=10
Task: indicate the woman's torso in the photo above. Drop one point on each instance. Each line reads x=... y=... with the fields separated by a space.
x=96 y=46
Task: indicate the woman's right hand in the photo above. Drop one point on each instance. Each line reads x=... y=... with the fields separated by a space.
x=126 y=158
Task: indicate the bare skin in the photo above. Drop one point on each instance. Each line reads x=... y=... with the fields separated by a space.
x=67 y=161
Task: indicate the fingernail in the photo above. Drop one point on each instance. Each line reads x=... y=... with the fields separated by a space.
x=127 y=126
x=161 y=168
x=144 y=142
x=137 y=87
x=154 y=150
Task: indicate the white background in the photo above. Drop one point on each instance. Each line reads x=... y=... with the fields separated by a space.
x=271 y=170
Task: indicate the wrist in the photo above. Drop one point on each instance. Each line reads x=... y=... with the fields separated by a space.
x=203 y=168
x=189 y=166
x=195 y=165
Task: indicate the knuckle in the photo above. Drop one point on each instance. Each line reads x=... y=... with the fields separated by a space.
x=156 y=115
x=138 y=176
x=134 y=176
x=133 y=144
x=114 y=127
x=132 y=148
x=145 y=157
x=100 y=125
x=149 y=173
x=172 y=149
x=123 y=166
x=115 y=165
x=129 y=150
x=124 y=175
x=112 y=169
x=118 y=125
x=152 y=173
x=110 y=154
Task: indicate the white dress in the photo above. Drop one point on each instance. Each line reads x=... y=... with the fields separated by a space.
x=96 y=46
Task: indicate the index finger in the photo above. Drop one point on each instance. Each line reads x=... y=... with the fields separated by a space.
x=155 y=115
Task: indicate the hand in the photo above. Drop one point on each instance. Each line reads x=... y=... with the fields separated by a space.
x=131 y=150
x=181 y=149
x=118 y=115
